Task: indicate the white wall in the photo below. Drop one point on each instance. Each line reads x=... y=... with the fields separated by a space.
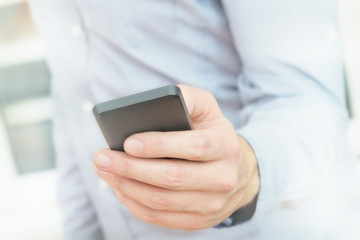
x=350 y=37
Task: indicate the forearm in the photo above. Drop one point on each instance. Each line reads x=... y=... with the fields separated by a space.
x=292 y=90
x=299 y=144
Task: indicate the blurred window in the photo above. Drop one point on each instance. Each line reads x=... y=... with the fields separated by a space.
x=25 y=103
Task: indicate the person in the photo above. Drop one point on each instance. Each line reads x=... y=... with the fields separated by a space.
x=263 y=82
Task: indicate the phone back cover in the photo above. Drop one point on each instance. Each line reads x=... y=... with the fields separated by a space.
x=161 y=109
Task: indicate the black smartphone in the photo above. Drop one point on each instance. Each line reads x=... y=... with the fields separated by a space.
x=161 y=109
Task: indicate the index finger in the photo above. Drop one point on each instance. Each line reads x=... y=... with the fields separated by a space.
x=195 y=145
x=166 y=173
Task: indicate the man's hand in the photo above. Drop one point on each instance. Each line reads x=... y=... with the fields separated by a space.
x=210 y=174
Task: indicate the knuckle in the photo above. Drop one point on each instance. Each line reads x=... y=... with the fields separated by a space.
x=148 y=216
x=125 y=167
x=158 y=144
x=200 y=147
x=117 y=186
x=158 y=201
x=119 y=183
x=228 y=183
x=233 y=148
x=215 y=206
x=173 y=177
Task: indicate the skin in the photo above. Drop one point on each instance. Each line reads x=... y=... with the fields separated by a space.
x=212 y=173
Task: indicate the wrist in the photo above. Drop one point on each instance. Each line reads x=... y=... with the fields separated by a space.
x=247 y=205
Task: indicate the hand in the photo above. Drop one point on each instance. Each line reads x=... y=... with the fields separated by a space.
x=212 y=171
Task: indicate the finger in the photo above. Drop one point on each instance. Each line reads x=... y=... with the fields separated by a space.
x=201 y=105
x=167 y=200
x=196 y=145
x=175 y=220
x=170 y=173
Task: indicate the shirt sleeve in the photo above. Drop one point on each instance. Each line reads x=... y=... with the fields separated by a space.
x=292 y=90
x=80 y=219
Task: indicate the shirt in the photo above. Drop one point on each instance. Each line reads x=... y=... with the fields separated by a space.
x=274 y=67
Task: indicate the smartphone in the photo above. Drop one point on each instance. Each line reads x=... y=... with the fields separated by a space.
x=162 y=109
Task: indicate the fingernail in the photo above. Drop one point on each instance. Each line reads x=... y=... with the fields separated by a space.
x=134 y=146
x=102 y=161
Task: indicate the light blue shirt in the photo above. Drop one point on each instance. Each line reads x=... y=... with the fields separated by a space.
x=274 y=66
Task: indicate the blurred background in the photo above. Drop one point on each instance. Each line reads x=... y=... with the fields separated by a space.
x=28 y=207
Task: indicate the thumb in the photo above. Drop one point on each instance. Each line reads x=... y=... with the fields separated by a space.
x=202 y=105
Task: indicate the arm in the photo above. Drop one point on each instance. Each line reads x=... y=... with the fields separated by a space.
x=286 y=78
x=292 y=88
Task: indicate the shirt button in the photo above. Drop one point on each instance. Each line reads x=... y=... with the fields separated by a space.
x=76 y=31
x=87 y=106
x=332 y=34
x=227 y=222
